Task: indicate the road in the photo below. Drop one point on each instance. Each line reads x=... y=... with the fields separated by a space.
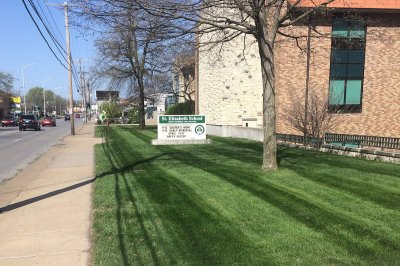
x=20 y=148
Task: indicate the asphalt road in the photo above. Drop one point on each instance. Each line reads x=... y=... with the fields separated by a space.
x=20 y=148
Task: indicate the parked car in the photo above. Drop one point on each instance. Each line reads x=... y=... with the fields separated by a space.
x=77 y=116
x=49 y=121
x=28 y=121
x=9 y=120
x=67 y=117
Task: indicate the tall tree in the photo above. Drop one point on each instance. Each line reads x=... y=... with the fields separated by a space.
x=34 y=97
x=184 y=75
x=6 y=83
x=225 y=20
x=131 y=45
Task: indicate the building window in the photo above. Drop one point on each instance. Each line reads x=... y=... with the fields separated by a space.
x=347 y=64
x=177 y=88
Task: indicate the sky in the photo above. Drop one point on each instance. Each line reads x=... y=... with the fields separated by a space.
x=21 y=44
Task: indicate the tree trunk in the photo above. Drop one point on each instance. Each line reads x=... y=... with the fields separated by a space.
x=269 y=113
x=142 y=124
x=266 y=33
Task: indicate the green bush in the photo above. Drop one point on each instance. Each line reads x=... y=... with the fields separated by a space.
x=186 y=108
x=133 y=116
x=111 y=109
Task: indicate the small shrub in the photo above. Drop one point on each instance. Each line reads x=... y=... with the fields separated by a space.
x=186 y=108
x=111 y=109
x=133 y=116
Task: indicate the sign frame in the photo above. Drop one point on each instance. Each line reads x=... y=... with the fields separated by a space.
x=181 y=127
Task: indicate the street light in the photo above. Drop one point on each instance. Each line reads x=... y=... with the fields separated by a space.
x=44 y=96
x=23 y=81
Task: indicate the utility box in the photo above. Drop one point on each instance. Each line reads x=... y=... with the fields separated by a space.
x=249 y=122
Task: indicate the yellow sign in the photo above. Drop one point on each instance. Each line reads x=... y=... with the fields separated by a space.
x=16 y=99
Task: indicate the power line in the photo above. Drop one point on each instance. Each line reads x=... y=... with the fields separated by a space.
x=50 y=32
x=55 y=41
x=41 y=34
x=55 y=23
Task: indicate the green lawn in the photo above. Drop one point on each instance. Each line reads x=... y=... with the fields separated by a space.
x=212 y=205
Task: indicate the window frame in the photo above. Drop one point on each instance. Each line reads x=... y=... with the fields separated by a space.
x=345 y=44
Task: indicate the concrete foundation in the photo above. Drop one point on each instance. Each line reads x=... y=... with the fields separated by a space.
x=180 y=142
x=252 y=133
x=257 y=135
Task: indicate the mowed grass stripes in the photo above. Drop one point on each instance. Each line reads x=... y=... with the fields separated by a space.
x=212 y=205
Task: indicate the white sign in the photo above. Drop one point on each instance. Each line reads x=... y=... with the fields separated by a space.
x=181 y=127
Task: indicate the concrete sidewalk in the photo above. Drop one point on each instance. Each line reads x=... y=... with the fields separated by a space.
x=46 y=209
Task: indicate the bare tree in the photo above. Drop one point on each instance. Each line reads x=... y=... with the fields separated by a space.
x=319 y=118
x=225 y=20
x=184 y=71
x=131 y=45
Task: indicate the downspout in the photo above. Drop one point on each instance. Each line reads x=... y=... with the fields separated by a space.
x=196 y=73
x=307 y=81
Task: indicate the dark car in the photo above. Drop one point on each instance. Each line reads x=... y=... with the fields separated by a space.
x=67 y=117
x=28 y=121
x=49 y=121
x=77 y=116
x=9 y=120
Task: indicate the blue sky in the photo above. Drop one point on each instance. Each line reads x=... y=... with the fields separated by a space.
x=22 y=44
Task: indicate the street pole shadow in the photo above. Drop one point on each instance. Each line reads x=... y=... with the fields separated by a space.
x=129 y=167
x=23 y=203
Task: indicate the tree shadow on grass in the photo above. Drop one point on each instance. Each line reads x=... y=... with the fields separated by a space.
x=366 y=191
x=193 y=227
x=305 y=162
x=305 y=157
x=309 y=165
x=307 y=212
x=358 y=239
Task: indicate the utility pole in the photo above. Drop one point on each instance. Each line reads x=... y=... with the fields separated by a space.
x=83 y=90
x=82 y=76
x=71 y=94
x=84 y=95
x=44 y=97
x=84 y=100
x=23 y=82
x=67 y=37
x=90 y=102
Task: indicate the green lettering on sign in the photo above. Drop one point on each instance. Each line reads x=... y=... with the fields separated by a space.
x=181 y=119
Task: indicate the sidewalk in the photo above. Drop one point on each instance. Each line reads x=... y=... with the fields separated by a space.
x=46 y=209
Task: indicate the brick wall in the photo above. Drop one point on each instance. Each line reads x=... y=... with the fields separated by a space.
x=380 y=114
x=4 y=106
x=230 y=87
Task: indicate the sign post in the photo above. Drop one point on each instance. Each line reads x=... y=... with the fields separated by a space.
x=181 y=129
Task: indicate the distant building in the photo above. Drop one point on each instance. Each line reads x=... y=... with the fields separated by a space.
x=157 y=102
x=107 y=96
x=184 y=82
x=104 y=96
x=4 y=106
x=9 y=104
x=170 y=99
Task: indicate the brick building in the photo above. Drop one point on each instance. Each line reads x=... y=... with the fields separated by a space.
x=354 y=63
x=183 y=82
x=4 y=105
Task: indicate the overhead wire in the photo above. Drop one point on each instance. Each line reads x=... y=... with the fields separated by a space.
x=41 y=34
x=55 y=41
x=50 y=32
x=55 y=23
x=73 y=67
